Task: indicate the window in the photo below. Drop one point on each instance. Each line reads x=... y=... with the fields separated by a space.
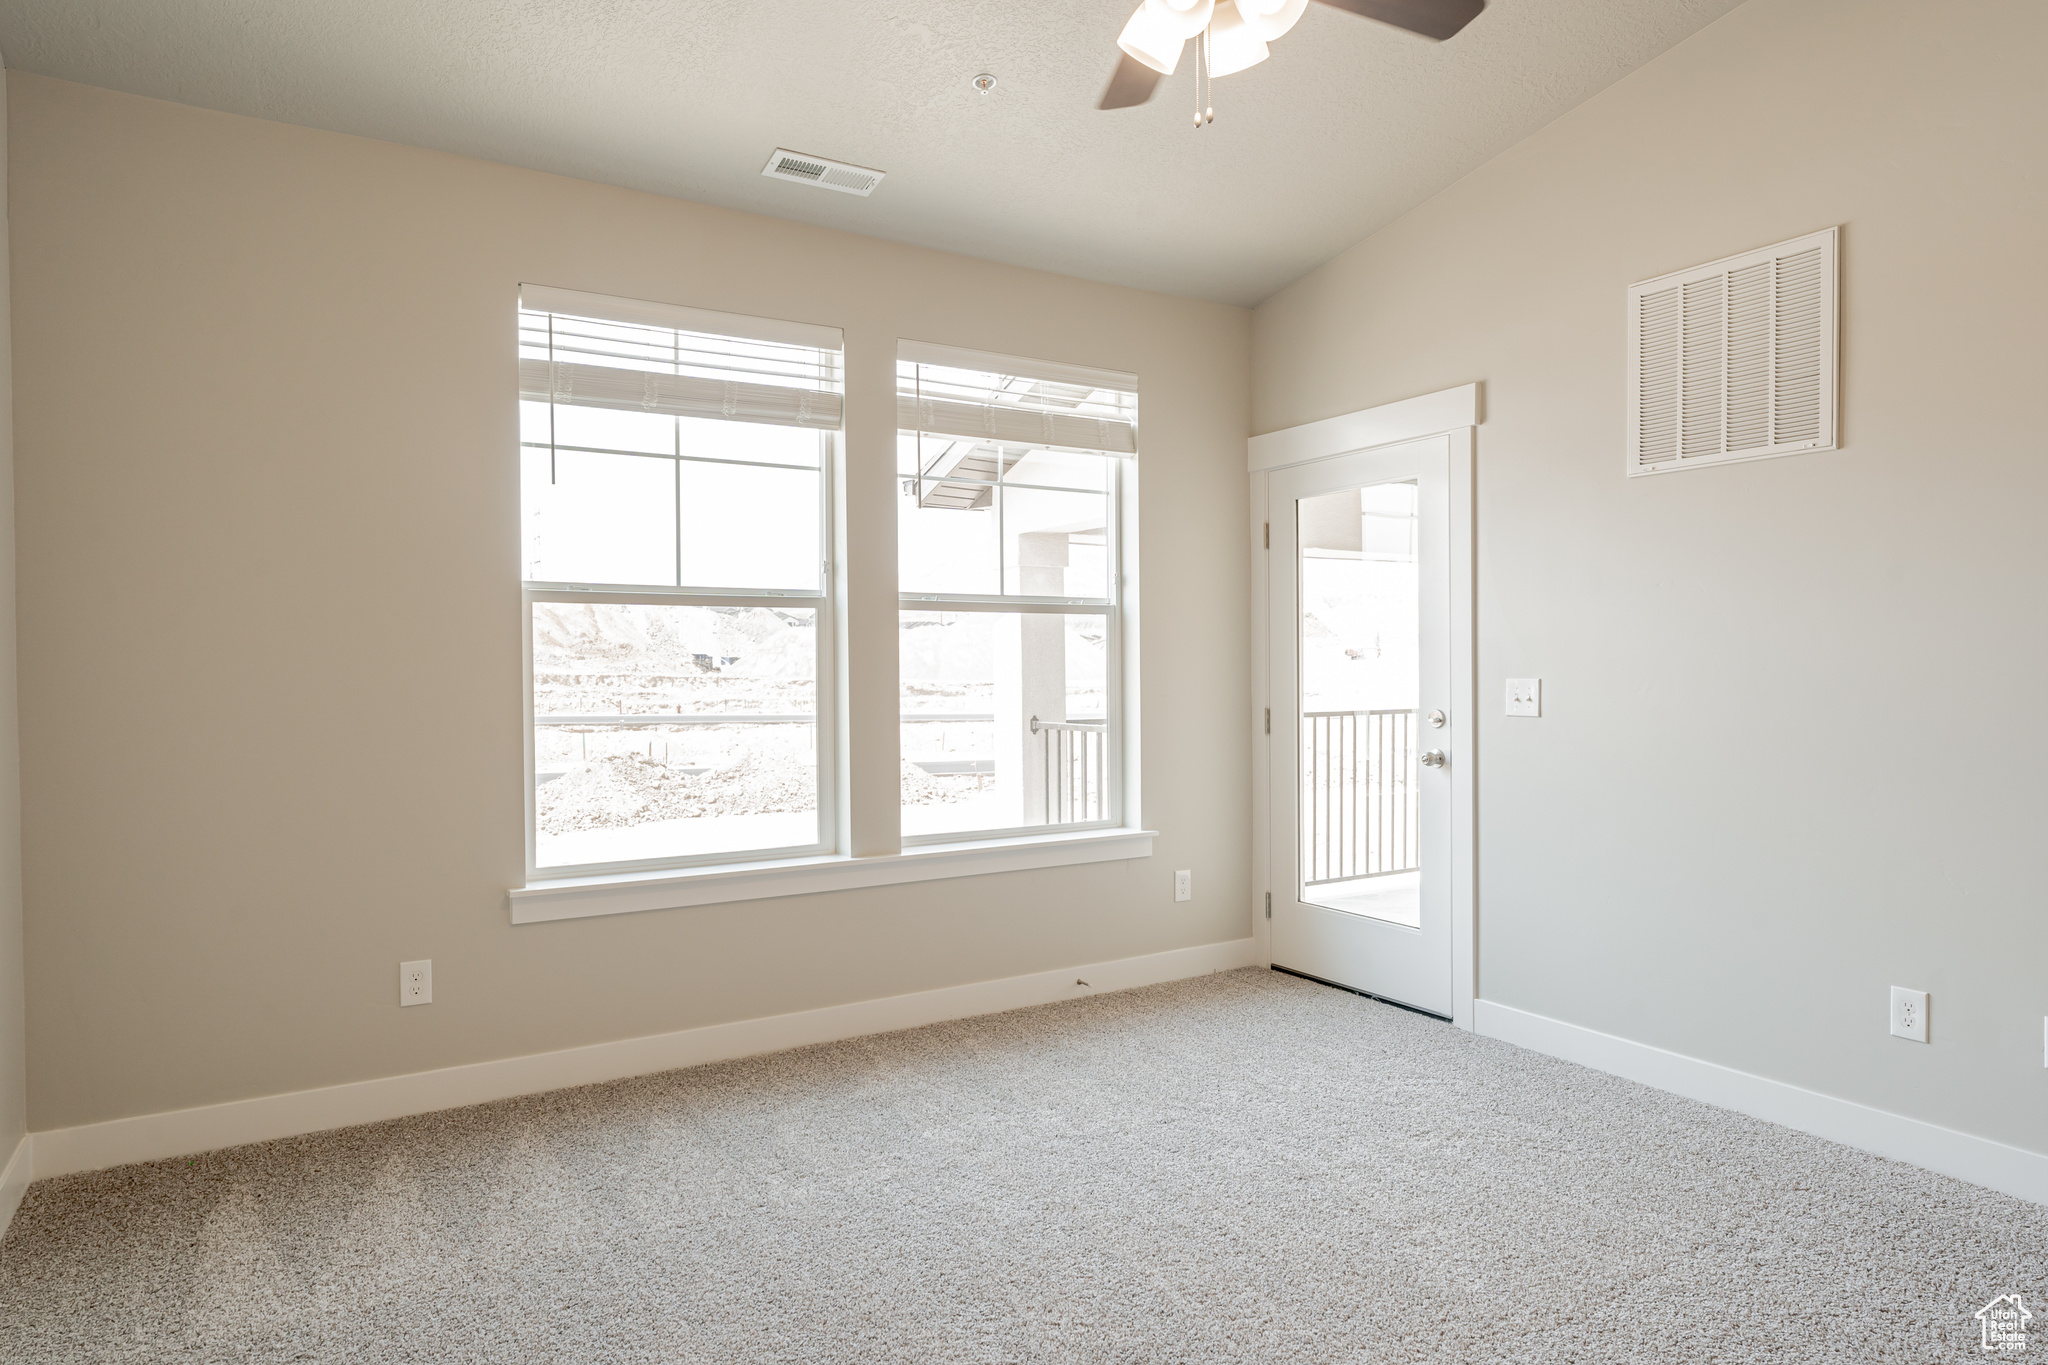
x=1010 y=578
x=675 y=472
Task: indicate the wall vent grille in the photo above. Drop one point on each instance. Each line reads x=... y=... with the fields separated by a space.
x=823 y=172
x=1734 y=360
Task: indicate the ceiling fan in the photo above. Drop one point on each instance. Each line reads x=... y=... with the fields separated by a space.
x=1231 y=35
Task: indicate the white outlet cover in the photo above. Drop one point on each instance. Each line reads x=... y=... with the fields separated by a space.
x=1183 y=886
x=1909 y=1014
x=1525 y=696
x=416 y=982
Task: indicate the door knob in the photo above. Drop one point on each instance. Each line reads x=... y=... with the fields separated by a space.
x=1432 y=758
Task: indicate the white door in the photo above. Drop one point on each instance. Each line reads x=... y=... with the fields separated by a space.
x=1362 y=725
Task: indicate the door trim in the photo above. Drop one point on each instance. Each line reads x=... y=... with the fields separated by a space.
x=1452 y=415
x=1430 y=414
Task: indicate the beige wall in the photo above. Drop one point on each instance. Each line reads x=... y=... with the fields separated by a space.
x=13 y=1048
x=270 y=618
x=1792 y=748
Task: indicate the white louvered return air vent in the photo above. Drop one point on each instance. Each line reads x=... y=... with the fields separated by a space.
x=1734 y=360
x=827 y=175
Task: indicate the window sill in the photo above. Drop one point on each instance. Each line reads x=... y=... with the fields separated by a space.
x=672 y=889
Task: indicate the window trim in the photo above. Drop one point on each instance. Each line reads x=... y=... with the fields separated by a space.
x=825 y=689
x=547 y=298
x=584 y=897
x=581 y=891
x=1111 y=609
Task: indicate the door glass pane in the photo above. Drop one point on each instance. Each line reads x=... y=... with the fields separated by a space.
x=1004 y=720
x=1359 y=642
x=665 y=732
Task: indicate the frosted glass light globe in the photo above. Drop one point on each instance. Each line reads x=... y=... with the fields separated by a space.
x=1233 y=43
x=1152 y=40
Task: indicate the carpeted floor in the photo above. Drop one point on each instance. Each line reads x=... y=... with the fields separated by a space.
x=1245 y=1167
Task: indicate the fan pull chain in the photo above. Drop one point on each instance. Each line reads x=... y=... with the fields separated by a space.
x=1208 y=79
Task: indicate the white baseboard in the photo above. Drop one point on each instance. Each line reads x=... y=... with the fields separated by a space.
x=14 y=1179
x=154 y=1137
x=1981 y=1161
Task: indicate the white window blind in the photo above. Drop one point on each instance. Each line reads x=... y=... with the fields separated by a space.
x=1007 y=400
x=1735 y=359
x=586 y=350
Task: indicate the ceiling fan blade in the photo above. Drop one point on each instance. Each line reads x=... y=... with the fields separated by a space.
x=1438 y=19
x=1132 y=84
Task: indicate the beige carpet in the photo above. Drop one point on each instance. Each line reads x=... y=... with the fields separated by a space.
x=1246 y=1167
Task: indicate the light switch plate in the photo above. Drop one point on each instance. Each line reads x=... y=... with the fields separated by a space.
x=1525 y=696
x=416 y=983
x=1909 y=1014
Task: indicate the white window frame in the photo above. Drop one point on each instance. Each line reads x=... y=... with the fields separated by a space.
x=823 y=602
x=722 y=879
x=1111 y=609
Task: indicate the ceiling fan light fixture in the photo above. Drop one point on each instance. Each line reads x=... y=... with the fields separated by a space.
x=1185 y=17
x=1152 y=40
x=1233 y=43
x=1271 y=19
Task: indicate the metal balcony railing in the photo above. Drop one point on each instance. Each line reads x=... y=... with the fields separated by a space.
x=1075 y=756
x=1358 y=795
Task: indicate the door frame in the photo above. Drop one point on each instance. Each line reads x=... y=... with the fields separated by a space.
x=1453 y=416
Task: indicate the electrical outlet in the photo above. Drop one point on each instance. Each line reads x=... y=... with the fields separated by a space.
x=416 y=983
x=1183 y=885
x=1525 y=696
x=1909 y=1014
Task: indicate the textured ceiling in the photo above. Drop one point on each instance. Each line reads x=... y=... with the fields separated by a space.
x=1345 y=127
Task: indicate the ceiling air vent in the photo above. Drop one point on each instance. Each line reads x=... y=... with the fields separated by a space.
x=816 y=170
x=1734 y=360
